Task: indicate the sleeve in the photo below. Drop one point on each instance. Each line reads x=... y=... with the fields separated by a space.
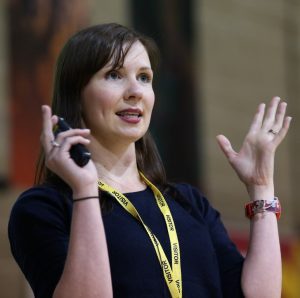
x=229 y=258
x=38 y=231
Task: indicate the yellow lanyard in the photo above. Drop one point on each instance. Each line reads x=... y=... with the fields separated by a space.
x=172 y=275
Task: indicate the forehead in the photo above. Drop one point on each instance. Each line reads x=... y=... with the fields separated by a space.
x=136 y=53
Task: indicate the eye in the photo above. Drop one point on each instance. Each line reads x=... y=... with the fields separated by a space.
x=113 y=75
x=145 y=78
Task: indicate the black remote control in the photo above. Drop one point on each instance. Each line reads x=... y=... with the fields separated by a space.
x=78 y=152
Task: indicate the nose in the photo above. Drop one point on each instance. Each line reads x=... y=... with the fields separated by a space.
x=133 y=91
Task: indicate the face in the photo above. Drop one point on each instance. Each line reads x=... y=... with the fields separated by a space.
x=117 y=103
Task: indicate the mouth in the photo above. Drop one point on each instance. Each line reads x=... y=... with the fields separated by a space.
x=130 y=113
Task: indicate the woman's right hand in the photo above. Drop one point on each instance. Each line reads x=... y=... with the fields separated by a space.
x=58 y=159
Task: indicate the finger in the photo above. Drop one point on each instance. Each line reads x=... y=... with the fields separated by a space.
x=63 y=137
x=72 y=132
x=280 y=116
x=258 y=118
x=270 y=114
x=47 y=134
x=60 y=156
x=226 y=147
x=282 y=133
x=54 y=120
x=62 y=152
x=69 y=142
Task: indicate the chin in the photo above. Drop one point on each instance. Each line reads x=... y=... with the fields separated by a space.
x=133 y=139
x=133 y=136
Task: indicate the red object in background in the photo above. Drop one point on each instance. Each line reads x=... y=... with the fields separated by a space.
x=290 y=251
x=241 y=240
x=37 y=31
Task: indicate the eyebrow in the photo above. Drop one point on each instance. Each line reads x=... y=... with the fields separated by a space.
x=143 y=68
x=146 y=68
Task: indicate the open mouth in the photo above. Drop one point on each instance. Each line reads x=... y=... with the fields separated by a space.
x=129 y=114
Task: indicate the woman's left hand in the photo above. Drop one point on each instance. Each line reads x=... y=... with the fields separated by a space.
x=254 y=163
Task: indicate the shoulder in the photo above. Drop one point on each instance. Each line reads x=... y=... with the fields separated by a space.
x=44 y=191
x=188 y=190
x=39 y=196
x=38 y=205
x=194 y=197
x=38 y=232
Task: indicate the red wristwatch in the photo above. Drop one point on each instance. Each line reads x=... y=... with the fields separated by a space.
x=259 y=206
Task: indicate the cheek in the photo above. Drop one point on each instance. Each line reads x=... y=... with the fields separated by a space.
x=151 y=101
x=96 y=99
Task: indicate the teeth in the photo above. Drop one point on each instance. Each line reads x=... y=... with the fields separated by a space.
x=128 y=114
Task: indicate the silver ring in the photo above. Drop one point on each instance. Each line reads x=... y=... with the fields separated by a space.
x=273 y=132
x=55 y=144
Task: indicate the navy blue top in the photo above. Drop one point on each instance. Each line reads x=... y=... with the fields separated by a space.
x=39 y=230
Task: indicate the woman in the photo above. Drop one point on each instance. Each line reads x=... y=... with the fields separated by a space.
x=143 y=239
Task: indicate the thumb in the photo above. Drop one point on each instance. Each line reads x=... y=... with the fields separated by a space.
x=226 y=147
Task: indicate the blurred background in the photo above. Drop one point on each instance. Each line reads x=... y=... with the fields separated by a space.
x=220 y=59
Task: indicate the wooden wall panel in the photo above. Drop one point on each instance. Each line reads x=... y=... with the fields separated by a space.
x=37 y=31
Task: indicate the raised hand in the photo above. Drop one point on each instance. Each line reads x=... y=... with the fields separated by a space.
x=254 y=163
x=57 y=154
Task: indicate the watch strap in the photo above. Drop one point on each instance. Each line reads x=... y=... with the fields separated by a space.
x=260 y=206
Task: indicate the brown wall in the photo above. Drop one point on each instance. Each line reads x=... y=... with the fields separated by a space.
x=243 y=62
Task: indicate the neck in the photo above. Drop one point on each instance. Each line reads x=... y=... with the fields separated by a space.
x=117 y=166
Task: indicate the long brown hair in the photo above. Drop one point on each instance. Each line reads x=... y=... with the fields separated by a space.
x=82 y=56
